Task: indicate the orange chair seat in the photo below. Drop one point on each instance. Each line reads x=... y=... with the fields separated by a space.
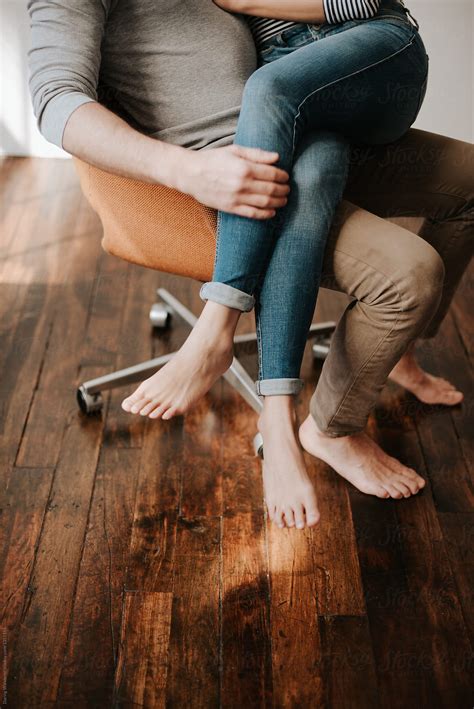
x=151 y=225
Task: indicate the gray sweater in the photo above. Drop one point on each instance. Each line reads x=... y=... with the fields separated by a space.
x=173 y=69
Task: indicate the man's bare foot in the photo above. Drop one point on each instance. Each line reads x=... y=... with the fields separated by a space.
x=203 y=358
x=426 y=387
x=362 y=462
x=289 y=493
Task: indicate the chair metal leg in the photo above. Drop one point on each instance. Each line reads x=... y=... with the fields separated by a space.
x=88 y=394
x=240 y=380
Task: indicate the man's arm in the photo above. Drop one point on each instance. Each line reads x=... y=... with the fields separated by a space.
x=317 y=11
x=64 y=63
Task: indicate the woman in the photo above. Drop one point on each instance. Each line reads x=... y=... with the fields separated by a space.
x=326 y=89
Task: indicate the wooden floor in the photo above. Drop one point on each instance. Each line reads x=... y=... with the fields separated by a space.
x=137 y=565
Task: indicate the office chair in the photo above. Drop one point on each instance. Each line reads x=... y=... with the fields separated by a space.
x=163 y=229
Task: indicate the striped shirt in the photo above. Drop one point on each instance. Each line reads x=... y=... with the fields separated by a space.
x=335 y=11
x=263 y=29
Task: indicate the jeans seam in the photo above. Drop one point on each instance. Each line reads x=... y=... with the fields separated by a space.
x=259 y=343
x=216 y=253
x=343 y=78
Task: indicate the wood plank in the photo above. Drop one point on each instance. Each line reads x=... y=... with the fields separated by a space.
x=143 y=657
x=296 y=645
x=23 y=364
x=104 y=326
x=87 y=677
x=413 y=612
x=445 y=653
x=22 y=512
x=193 y=671
x=24 y=179
x=241 y=469
x=246 y=634
x=246 y=623
x=347 y=664
x=446 y=436
x=152 y=547
x=458 y=534
x=338 y=585
x=46 y=613
x=201 y=490
x=454 y=364
x=43 y=230
x=55 y=394
x=136 y=345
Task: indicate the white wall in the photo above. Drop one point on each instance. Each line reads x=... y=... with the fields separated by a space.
x=18 y=132
x=447 y=29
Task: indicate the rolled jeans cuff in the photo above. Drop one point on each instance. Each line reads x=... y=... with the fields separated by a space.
x=275 y=387
x=227 y=295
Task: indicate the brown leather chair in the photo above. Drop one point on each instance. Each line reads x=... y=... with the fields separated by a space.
x=163 y=229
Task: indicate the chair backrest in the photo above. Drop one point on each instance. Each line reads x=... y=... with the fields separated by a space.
x=151 y=225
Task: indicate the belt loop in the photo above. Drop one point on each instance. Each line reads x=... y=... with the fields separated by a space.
x=414 y=21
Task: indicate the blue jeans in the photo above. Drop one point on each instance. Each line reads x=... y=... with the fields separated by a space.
x=362 y=81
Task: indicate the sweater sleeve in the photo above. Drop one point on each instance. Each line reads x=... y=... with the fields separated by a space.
x=342 y=10
x=63 y=59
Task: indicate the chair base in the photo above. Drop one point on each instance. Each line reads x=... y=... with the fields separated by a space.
x=89 y=396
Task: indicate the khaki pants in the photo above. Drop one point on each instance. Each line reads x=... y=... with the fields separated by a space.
x=402 y=283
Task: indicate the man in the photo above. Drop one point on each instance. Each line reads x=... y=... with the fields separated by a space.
x=139 y=87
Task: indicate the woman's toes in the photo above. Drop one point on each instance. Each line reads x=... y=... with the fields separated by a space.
x=169 y=413
x=158 y=411
x=289 y=517
x=278 y=518
x=312 y=516
x=148 y=408
x=299 y=516
x=270 y=509
x=138 y=405
x=130 y=401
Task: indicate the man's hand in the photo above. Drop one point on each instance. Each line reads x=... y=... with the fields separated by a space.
x=234 y=179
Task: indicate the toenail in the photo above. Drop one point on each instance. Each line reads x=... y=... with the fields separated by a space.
x=300 y=525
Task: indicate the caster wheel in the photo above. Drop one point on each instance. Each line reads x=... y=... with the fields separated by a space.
x=258 y=445
x=321 y=349
x=160 y=316
x=89 y=403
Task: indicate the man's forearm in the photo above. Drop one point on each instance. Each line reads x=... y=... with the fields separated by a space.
x=99 y=137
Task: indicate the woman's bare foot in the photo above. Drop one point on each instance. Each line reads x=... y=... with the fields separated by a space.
x=203 y=358
x=362 y=462
x=426 y=387
x=289 y=493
